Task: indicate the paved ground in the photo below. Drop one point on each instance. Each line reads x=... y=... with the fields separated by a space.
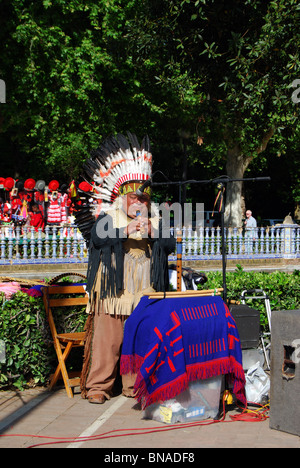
x=37 y=416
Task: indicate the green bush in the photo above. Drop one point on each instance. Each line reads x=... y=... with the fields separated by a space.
x=24 y=331
x=282 y=288
x=29 y=354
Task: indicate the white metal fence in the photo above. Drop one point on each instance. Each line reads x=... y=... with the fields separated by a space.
x=66 y=245
x=272 y=242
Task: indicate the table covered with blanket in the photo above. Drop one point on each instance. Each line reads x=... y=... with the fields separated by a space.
x=170 y=342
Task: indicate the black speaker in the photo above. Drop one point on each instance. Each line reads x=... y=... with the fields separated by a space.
x=248 y=324
x=285 y=371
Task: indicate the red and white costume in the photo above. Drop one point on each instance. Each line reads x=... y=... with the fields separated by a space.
x=54 y=210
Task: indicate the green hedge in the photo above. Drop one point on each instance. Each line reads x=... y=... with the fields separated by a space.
x=282 y=288
x=29 y=354
x=30 y=357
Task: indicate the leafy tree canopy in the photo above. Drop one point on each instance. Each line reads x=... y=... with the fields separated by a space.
x=68 y=83
x=228 y=68
x=209 y=80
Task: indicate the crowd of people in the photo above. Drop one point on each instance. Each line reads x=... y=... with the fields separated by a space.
x=37 y=204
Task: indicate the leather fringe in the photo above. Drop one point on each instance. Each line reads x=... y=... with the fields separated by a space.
x=89 y=331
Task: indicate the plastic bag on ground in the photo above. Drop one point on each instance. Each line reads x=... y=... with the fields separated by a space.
x=257 y=384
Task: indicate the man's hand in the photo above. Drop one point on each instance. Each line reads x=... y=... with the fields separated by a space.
x=139 y=224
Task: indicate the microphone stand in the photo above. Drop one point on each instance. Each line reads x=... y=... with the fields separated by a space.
x=222 y=185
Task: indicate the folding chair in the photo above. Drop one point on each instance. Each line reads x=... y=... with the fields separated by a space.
x=64 y=342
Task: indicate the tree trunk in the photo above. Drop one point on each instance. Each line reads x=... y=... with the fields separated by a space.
x=236 y=166
x=297 y=212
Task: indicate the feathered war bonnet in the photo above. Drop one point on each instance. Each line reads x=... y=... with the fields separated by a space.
x=117 y=167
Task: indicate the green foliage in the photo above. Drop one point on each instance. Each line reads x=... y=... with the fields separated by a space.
x=65 y=80
x=233 y=62
x=215 y=72
x=30 y=356
x=225 y=69
x=282 y=288
x=24 y=332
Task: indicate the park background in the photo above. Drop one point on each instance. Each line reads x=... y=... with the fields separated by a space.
x=215 y=84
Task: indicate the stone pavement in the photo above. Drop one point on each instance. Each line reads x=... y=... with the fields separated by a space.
x=55 y=419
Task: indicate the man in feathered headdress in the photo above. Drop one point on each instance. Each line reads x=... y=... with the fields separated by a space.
x=128 y=256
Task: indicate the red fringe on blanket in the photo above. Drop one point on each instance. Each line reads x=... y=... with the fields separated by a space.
x=131 y=364
x=226 y=366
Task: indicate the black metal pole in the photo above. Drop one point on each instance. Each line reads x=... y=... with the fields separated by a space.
x=223 y=242
x=211 y=181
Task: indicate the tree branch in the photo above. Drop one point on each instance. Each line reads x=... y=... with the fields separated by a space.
x=266 y=138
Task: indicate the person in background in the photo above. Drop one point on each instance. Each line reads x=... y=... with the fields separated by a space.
x=36 y=218
x=250 y=222
x=250 y=230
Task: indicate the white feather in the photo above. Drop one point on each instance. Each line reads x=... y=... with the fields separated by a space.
x=124 y=163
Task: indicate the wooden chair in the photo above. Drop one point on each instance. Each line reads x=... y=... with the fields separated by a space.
x=64 y=342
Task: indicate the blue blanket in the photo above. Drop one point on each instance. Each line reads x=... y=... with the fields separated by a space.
x=170 y=342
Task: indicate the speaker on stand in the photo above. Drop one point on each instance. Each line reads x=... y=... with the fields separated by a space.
x=285 y=372
x=247 y=321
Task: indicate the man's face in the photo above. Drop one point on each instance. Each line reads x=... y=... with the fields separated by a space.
x=133 y=203
x=248 y=214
